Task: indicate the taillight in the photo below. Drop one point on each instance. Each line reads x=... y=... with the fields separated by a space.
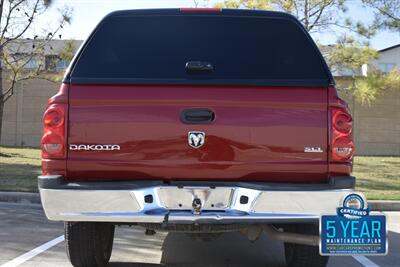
x=53 y=140
x=342 y=146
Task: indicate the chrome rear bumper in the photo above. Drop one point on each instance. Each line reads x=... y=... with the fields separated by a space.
x=174 y=204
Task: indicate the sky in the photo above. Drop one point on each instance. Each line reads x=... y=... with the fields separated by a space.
x=87 y=13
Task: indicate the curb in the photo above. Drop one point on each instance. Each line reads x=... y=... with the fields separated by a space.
x=34 y=198
x=20 y=197
x=384 y=205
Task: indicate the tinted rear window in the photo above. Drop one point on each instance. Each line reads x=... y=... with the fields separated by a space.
x=157 y=48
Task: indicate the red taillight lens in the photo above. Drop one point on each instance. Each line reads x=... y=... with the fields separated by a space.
x=53 y=140
x=53 y=117
x=343 y=149
x=342 y=121
x=342 y=146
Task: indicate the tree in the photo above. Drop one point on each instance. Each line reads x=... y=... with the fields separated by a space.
x=350 y=54
x=315 y=15
x=17 y=17
x=250 y=4
x=367 y=89
x=387 y=13
x=66 y=54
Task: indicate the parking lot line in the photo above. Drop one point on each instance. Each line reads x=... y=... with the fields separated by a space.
x=34 y=252
x=365 y=261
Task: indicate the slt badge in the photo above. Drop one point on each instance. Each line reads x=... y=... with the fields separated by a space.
x=196 y=139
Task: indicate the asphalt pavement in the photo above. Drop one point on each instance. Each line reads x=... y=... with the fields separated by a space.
x=27 y=238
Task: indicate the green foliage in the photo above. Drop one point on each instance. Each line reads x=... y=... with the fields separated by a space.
x=392 y=81
x=68 y=52
x=228 y=4
x=316 y=15
x=367 y=89
x=350 y=53
x=249 y=4
x=387 y=13
x=257 y=4
x=359 y=28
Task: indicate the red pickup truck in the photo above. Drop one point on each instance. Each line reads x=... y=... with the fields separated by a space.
x=201 y=121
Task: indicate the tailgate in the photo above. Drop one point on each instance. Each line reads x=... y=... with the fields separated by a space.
x=258 y=134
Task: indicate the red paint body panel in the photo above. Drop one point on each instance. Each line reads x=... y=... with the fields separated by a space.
x=259 y=133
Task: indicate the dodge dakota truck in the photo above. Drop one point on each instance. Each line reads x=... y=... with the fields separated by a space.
x=200 y=121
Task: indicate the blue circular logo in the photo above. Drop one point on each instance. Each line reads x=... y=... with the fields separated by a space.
x=354 y=206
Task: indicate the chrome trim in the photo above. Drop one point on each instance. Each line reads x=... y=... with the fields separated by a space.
x=196 y=139
x=212 y=198
x=174 y=205
x=313 y=149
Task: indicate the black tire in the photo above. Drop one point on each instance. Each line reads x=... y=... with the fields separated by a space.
x=89 y=244
x=301 y=255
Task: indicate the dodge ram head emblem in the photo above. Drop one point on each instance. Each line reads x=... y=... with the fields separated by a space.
x=196 y=139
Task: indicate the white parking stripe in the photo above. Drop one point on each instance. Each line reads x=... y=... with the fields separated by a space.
x=365 y=261
x=34 y=252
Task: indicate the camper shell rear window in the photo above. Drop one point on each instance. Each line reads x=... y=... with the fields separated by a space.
x=240 y=47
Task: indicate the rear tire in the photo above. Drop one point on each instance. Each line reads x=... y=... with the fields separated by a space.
x=302 y=255
x=89 y=244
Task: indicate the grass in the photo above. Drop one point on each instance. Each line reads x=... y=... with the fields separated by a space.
x=19 y=168
x=377 y=177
